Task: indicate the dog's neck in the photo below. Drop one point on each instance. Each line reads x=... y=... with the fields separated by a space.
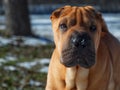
x=77 y=77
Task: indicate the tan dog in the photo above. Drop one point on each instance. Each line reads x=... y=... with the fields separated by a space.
x=87 y=56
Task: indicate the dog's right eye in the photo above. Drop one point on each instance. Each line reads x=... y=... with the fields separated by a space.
x=93 y=28
x=63 y=27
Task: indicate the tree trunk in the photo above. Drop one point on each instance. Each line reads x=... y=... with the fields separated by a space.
x=17 y=17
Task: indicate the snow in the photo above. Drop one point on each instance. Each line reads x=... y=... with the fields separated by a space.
x=7 y=59
x=35 y=83
x=10 y=58
x=2 y=60
x=44 y=69
x=33 y=42
x=44 y=61
x=111 y=17
x=29 y=41
x=29 y=65
x=4 y=41
x=113 y=23
x=10 y=68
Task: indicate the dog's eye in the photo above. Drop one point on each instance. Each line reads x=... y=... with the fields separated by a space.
x=93 y=28
x=63 y=27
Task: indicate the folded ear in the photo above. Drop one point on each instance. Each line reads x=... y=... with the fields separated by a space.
x=58 y=12
x=99 y=16
x=103 y=24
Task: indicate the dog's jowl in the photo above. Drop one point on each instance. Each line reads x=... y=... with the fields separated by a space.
x=86 y=56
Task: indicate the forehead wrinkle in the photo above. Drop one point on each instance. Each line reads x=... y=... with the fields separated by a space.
x=72 y=18
x=80 y=16
x=66 y=11
x=72 y=12
x=87 y=17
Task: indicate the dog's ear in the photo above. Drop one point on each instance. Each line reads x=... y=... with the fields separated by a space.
x=102 y=21
x=56 y=14
x=103 y=24
x=99 y=16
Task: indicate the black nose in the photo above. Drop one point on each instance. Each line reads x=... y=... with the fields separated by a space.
x=80 y=39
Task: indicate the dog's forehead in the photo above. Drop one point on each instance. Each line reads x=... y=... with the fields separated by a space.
x=88 y=10
x=78 y=15
x=74 y=12
x=68 y=10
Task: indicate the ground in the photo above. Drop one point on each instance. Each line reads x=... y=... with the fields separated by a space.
x=24 y=67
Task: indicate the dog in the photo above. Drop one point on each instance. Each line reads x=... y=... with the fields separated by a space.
x=86 y=54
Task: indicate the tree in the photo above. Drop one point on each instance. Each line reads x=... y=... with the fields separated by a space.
x=17 y=17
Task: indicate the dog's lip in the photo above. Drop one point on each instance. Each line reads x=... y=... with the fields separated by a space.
x=76 y=56
x=68 y=64
x=84 y=64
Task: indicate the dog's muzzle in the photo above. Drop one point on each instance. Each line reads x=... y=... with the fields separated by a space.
x=79 y=52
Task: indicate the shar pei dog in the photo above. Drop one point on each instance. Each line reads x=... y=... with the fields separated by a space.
x=86 y=54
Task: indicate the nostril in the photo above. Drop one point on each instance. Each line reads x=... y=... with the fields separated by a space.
x=83 y=42
x=75 y=42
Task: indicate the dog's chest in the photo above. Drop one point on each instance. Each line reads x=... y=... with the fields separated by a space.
x=76 y=77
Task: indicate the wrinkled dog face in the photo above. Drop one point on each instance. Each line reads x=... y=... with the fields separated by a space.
x=77 y=33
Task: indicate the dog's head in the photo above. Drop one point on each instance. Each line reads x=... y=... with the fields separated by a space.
x=77 y=32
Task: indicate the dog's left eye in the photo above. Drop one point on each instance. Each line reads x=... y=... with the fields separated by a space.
x=93 y=28
x=63 y=27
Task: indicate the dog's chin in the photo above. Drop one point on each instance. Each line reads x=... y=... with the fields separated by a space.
x=68 y=64
x=83 y=63
x=71 y=57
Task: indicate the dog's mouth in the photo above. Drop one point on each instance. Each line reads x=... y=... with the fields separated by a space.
x=76 y=56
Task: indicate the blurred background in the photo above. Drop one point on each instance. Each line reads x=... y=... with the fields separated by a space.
x=26 y=39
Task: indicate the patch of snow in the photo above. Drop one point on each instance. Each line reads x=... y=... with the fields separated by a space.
x=10 y=58
x=4 y=41
x=4 y=85
x=2 y=60
x=27 y=65
x=35 y=83
x=33 y=42
x=2 y=27
x=111 y=17
x=43 y=30
x=2 y=19
x=10 y=68
x=42 y=21
x=44 y=69
x=7 y=59
x=44 y=61
x=29 y=41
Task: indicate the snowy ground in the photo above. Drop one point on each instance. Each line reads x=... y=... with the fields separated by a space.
x=23 y=67
x=28 y=65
